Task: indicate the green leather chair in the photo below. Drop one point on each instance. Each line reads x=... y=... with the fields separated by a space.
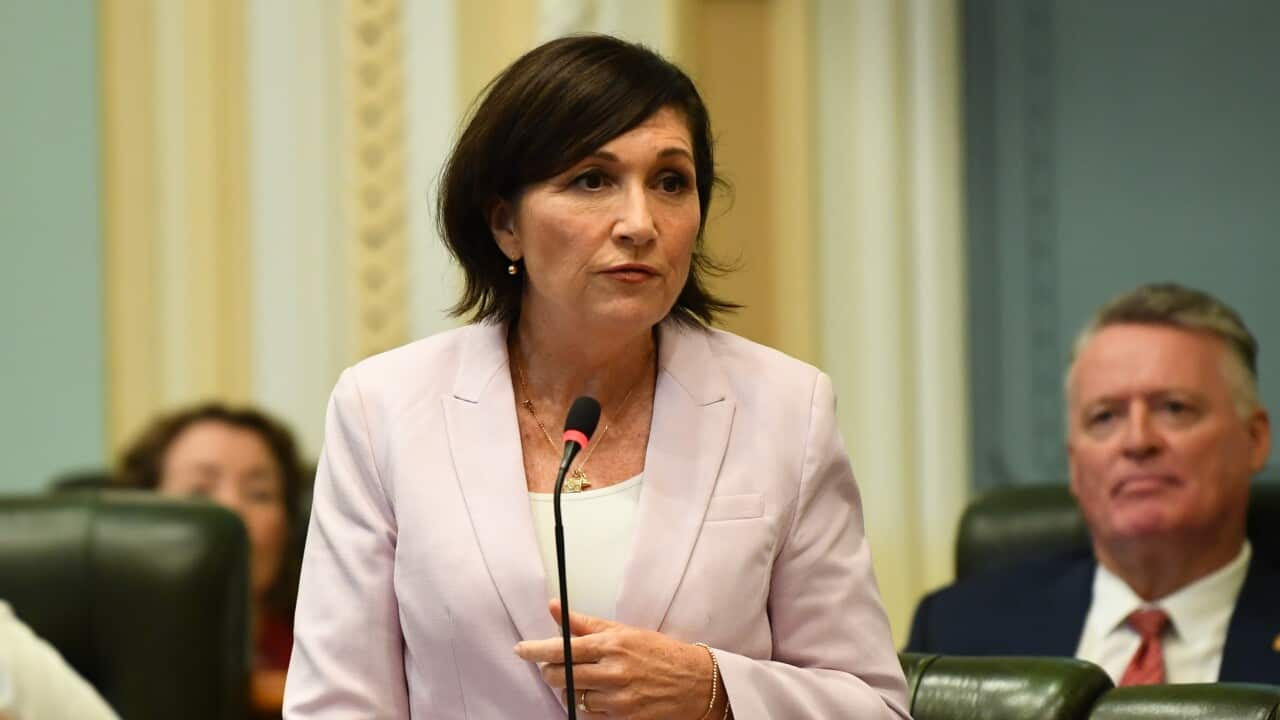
x=1020 y=523
x=146 y=598
x=913 y=666
x=1214 y=701
x=942 y=687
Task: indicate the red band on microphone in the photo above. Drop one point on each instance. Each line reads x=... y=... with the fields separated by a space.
x=575 y=436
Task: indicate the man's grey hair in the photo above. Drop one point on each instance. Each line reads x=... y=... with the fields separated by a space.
x=1176 y=306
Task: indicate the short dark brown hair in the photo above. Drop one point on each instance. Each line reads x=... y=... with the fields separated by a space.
x=552 y=107
x=142 y=466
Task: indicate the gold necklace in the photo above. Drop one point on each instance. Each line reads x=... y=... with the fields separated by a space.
x=577 y=480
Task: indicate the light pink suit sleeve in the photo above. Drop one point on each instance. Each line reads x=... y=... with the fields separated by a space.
x=833 y=654
x=348 y=649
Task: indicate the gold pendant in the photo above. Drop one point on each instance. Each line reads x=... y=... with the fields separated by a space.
x=577 y=481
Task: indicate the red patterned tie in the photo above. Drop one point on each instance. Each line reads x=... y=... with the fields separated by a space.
x=1147 y=665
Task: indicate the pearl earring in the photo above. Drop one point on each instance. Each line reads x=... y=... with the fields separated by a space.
x=512 y=269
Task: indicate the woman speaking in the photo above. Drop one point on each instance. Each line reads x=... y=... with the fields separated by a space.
x=716 y=560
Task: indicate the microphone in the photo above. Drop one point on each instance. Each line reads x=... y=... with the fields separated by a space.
x=584 y=415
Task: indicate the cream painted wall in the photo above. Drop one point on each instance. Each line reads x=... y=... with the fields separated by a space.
x=892 y=277
x=433 y=120
x=302 y=293
x=490 y=35
x=730 y=60
x=175 y=239
x=654 y=24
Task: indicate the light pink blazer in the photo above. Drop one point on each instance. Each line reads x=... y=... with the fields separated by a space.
x=422 y=568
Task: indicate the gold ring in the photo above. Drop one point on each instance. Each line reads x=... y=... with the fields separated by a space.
x=582 y=702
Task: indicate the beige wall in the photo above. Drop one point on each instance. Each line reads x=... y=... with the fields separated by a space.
x=490 y=36
x=175 y=207
x=750 y=60
x=729 y=59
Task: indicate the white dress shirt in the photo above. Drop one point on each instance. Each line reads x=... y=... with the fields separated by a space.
x=598 y=525
x=35 y=682
x=1198 y=618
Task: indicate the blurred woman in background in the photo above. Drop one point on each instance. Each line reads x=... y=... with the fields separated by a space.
x=247 y=462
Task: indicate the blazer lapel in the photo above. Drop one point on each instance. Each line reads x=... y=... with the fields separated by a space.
x=688 y=435
x=485 y=441
x=1066 y=605
x=1036 y=610
x=1252 y=649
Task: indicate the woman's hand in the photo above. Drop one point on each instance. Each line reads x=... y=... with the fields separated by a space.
x=628 y=672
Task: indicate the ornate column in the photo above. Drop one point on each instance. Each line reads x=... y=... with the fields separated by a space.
x=375 y=171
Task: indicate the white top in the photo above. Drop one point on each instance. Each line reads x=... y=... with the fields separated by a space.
x=36 y=683
x=1198 y=617
x=598 y=525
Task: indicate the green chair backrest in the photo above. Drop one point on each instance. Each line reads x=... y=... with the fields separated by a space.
x=146 y=597
x=1021 y=523
x=1210 y=701
x=941 y=687
x=1004 y=688
x=913 y=667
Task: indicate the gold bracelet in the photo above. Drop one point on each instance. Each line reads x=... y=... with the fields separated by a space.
x=715 y=679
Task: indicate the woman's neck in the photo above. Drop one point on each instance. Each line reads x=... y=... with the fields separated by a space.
x=557 y=367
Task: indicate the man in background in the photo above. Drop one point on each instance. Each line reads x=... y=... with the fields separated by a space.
x=1165 y=432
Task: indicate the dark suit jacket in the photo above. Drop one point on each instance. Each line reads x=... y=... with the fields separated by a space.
x=1038 y=608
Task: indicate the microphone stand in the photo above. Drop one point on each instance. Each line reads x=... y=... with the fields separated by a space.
x=571 y=449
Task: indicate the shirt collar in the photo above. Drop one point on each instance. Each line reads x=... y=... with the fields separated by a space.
x=1114 y=599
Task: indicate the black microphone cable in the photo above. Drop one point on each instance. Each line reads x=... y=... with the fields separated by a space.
x=584 y=415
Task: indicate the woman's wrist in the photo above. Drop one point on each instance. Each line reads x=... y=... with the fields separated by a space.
x=715 y=683
x=718 y=700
